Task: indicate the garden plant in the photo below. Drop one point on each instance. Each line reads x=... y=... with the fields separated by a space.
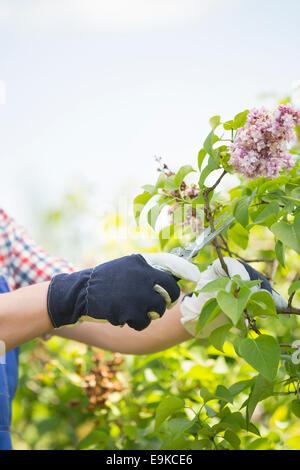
x=239 y=388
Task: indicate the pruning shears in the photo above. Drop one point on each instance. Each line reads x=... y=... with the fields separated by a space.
x=192 y=249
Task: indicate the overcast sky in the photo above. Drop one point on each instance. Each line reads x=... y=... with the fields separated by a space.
x=93 y=89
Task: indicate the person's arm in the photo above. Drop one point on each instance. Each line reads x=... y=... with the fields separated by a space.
x=161 y=334
x=24 y=315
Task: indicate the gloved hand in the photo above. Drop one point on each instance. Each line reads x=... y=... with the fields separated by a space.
x=125 y=290
x=192 y=305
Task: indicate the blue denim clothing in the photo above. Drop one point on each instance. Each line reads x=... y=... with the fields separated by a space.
x=8 y=386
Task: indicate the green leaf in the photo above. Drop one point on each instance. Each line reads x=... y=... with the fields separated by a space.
x=295 y=408
x=262 y=353
x=233 y=307
x=262 y=303
x=228 y=125
x=149 y=188
x=240 y=119
x=178 y=426
x=233 y=439
x=139 y=203
x=223 y=393
x=261 y=390
x=94 y=438
x=241 y=283
x=259 y=444
x=208 y=143
x=271 y=209
x=201 y=156
x=166 y=408
x=238 y=387
x=239 y=235
x=210 y=411
x=212 y=165
x=215 y=121
x=269 y=185
x=169 y=184
x=280 y=253
x=236 y=344
x=294 y=287
x=181 y=174
x=161 y=180
x=289 y=234
x=200 y=444
x=153 y=214
x=212 y=286
x=209 y=311
x=237 y=421
x=206 y=430
x=218 y=336
x=240 y=211
x=206 y=395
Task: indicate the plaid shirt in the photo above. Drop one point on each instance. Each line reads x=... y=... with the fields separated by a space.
x=22 y=261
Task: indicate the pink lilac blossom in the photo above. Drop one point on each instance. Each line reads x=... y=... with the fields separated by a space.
x=260 y=148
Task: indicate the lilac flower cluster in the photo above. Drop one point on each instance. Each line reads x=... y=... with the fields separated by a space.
x=260 y=148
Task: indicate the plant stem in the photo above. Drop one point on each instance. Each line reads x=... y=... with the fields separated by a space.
x=211 y=188
x=214 y=443
x=226 y=247
x=288 y=311
x=296 y=278
x=252 y=323
x=210 y=219
x=258 y=260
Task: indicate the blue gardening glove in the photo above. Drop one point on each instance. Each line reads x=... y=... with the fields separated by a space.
x=192 y=305
x=125 y=290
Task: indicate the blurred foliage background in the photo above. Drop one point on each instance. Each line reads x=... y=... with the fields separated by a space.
x=71 y=396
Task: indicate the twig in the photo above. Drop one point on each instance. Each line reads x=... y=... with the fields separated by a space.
x=226 y=247
x=252 y=323
x=291 y=299
x=214 y=443
x=210 y=219
x=258 y=260
x=293 y=293
x=288 y=311
x=211 y=188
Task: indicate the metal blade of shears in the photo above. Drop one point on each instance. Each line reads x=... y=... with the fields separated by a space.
x=201 y=241
x=192 y=249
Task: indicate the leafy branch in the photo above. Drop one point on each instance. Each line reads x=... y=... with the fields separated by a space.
x=268 y=204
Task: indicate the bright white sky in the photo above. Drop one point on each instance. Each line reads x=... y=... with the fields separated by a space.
x=94 y=89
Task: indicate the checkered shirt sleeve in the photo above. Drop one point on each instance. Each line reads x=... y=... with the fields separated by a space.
x=22 y=261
